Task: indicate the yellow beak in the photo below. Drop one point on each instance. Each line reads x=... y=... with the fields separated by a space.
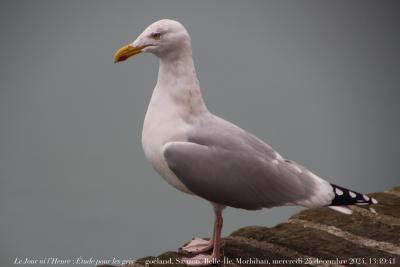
x=126 y=52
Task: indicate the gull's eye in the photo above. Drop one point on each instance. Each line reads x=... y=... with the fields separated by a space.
x=156 y=35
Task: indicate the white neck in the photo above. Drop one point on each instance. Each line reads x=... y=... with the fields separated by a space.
x=177 y=85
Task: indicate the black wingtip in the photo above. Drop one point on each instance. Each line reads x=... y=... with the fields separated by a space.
x=344 y=196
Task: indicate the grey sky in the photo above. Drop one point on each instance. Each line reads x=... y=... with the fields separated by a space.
x=318 y=80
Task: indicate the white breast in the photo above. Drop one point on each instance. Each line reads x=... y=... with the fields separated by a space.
x=163 y=123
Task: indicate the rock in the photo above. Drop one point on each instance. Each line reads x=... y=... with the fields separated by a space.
x=315 y=237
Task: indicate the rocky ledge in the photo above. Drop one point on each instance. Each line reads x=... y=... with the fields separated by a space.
x=314 y=237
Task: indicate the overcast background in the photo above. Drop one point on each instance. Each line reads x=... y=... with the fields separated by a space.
x=318 y=80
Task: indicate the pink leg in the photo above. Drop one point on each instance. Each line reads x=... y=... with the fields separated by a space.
x=204 y=259
x=198 y=245
x=217 y=235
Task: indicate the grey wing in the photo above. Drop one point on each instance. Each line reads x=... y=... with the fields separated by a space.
x=231 y=167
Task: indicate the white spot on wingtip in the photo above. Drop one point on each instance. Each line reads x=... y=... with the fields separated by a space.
x=338 y=192
x=352 y=194
x=374 y=201
x=366 y=197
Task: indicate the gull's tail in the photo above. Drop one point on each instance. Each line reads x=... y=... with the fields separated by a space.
x=344 y=197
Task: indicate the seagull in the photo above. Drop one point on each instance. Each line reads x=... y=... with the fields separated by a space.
x=204 y=155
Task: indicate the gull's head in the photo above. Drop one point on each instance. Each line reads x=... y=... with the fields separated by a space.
x=164 y=38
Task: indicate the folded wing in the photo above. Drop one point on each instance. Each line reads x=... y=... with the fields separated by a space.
x=232 y=167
